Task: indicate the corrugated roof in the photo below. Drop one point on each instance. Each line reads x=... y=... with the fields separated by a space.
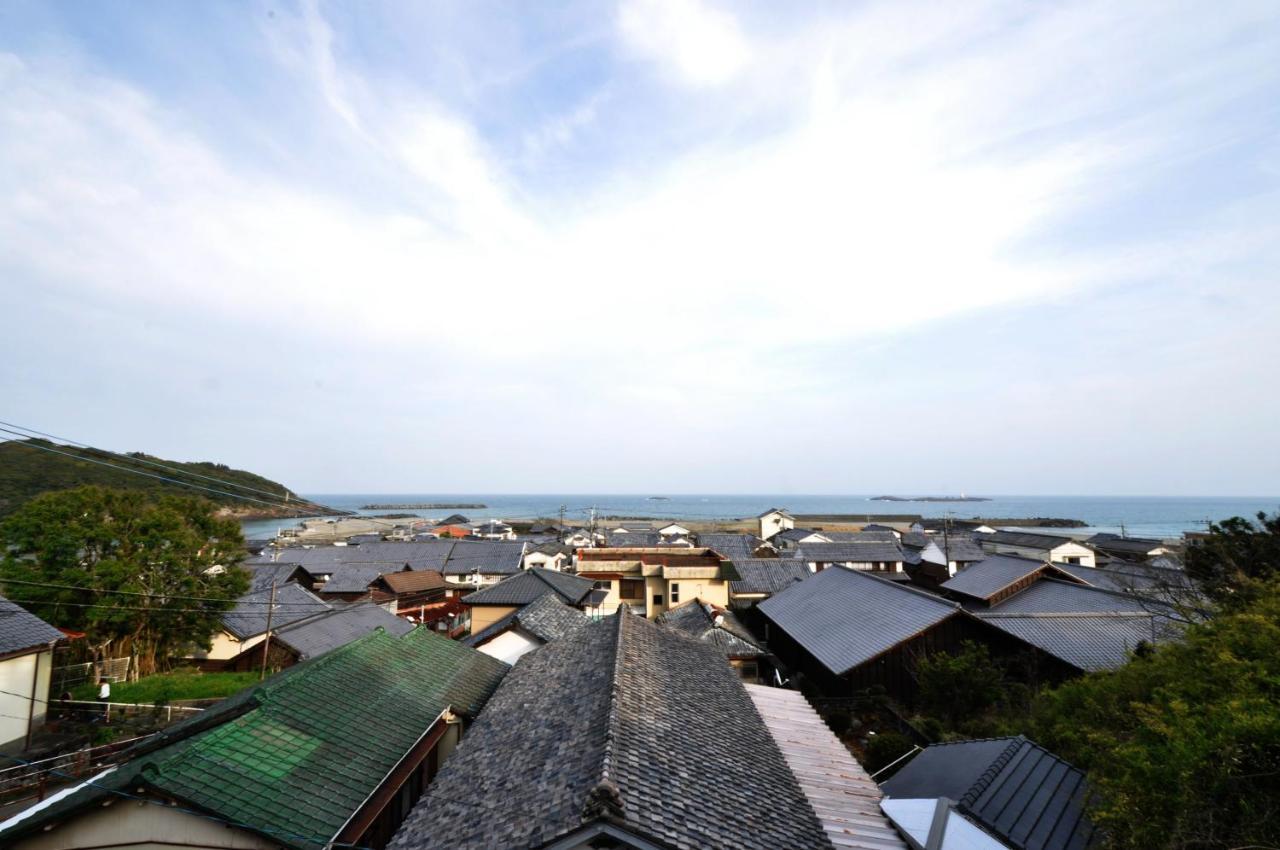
x=296 y=756
x=488 y=557
x=20 y=629
x=858 y=553
x=634 y=726
x=992 y=575
x=767 y=575
x=1012 y=787
x=320 y=634
x=530 y=585
x=1054 y=596
x=1028 y=539
x=1089 y=642
x=845 y=617
x=839 y=791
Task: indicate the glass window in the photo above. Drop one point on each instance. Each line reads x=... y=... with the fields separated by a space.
x=657 y=599
x=675 y=594
x=632 y=589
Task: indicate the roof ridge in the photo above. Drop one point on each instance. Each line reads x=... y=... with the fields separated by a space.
x=900 y=585
x=1009 y=615
x=993 y=770
x=605 y=797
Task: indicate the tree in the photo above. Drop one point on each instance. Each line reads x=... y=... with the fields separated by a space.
x=1182 y=744
x=141 y=574
x=1236 y=559
x=961 y=686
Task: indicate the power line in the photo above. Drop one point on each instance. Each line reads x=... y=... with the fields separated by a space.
x=53 y=586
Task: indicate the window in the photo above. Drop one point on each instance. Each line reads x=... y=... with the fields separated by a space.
x=657 y=599
x=749 y=671
x=632 y=588
x=675 y=594
x=1073 y=560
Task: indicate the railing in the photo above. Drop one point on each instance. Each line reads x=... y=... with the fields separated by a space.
x=67 y=677
x=33 y=779
x=123 y=709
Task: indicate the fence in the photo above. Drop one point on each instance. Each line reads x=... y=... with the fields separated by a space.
x=33 y=780
x=69 y=676
x=82 y=709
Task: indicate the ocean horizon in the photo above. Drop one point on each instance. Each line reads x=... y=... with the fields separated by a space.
x=1138 y=516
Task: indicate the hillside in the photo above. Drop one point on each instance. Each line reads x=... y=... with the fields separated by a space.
x=26 y=471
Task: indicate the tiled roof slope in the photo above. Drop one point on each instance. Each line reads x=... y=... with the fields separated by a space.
x=547 y=619
x=493 y=557
x=1012 y=787
x=767 y=575
x=851 y=552
x=839 y=791
x=731 y=546
x=296 y=756
x=532 y=584
x=729 y=635
x=262 y=576
x=414 y=581
x=992 y=575
x=1087 y=642
x=293 y=603
x=1029 y=539
x=1053 y=596
x=634 y=726
x=20 y=629
x=317 y=635
x=958 y=546
x=845 y=617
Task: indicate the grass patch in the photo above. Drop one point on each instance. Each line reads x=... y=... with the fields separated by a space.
x=178 y=685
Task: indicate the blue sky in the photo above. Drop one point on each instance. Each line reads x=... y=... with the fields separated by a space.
x=662 y=245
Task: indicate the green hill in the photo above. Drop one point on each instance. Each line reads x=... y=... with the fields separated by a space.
x=26 y=471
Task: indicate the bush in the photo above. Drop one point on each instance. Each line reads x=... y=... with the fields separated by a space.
x=839 y=721
x=884 y=749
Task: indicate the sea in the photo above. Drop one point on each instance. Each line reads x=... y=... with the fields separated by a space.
x=1138 y=516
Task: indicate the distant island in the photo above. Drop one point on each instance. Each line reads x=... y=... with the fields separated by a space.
x=929 y=499
x=659 y=498
x=420 y=506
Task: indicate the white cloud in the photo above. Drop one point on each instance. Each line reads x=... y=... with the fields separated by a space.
x=689 y=39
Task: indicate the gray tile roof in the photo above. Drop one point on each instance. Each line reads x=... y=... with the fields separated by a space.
x=1138 y=547
x=844 y=617
x=420 y=555
x=1053 y=596
x=632 y=539
x=634 y=726
x=530 y=585
x=20 y=629
x=872 y=552
x=489 y=557
x=1011 y=787
x=728 y=635
x=841 y=794
x=864 y=536
x=1028 y=539
x=796 y=534
x=1089 y=642
x=959 y=547
x=992 y=575
x=293 y=603
x=767 y=575
x=352 y=578
x=262 y=576
x=320 y=634
x=732 y=546
x=547 y=619
x=1139 y=579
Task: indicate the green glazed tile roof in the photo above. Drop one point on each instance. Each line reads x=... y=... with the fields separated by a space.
x=299 y=754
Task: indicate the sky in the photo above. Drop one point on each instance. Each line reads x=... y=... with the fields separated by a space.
x=651 y=246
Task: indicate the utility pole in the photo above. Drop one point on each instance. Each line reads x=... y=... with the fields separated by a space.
x=946 y=539
x=266 y=642
x=560 y=530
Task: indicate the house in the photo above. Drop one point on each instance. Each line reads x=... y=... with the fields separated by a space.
x=790 y=539
x=882 y=529
x=1050 y=547
x=494 y=529
x=549 y=556
x=497 y=601
x=634 y=736
x=451 y=530
x=543 y=620
x=580 y=538
x=407 y=591
x=631 y=527
x=884 y=558
x=719 y=627
x=245 y=625
x=263 y=576
x=352 y=582
x=848 y=630
x=735 y=546
x=673 y=529
x=993 y=794
x=773 y=521
x=1128 y=548
x=477 y=563
x=455 y=519
x=959 y=550
x=330 y=752
x=26 y=664
x=313 y=636
x=760 y=578
x=997 y=578
x=653 y=579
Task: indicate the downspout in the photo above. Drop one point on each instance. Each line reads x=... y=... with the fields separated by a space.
x=31 y=703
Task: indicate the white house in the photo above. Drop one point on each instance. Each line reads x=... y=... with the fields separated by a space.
x=494 y=529
x=1048 y=547
x=26 y=663
x=774 y=520
x=549 y=556
x=673 y=530
x=580 y=538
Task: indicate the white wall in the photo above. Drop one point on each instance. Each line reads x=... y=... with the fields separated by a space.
x=510 y=645
x=17 y=677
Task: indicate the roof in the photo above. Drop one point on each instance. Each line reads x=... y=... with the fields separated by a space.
x=317 y=635
x=418 y=555
x=1089 y=642
x=1140 y=579
x=634 y=728
x=715 y=626
x=1028 y=539
x=20 y=629
x=262 y=576
x=352 y=578
x=413 y=581
x=1054 y=596
x=870 y=552
x=454 y=519
x=297 y=755
x=838 y=790
x=845 y=617
x=1012 y=787
x=490 y=557
x=796 y=534
x=993 y=574
x=732 y=546
x=767 y=575
x=782 y=511
x=959 y=547
x=863 y=536
x=293 y=602
x=530 y=585
x=1139 y=546
x=632 y=539
x=546 y=618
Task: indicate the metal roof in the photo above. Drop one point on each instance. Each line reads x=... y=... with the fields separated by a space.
x=1054 y=596
x=1089 y=642
x=1012 y=787
x=293 y=603
x=767 y=575
x=1028 y=539
x=530 y=585
x=20 y=629
x=845 y=617
x=859 y=553
x=992 y=575
x=317 y=635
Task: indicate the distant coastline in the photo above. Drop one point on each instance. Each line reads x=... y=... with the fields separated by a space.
x=423 y=506
x=928 y=499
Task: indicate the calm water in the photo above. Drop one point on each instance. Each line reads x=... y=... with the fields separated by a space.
x=1141 y=516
